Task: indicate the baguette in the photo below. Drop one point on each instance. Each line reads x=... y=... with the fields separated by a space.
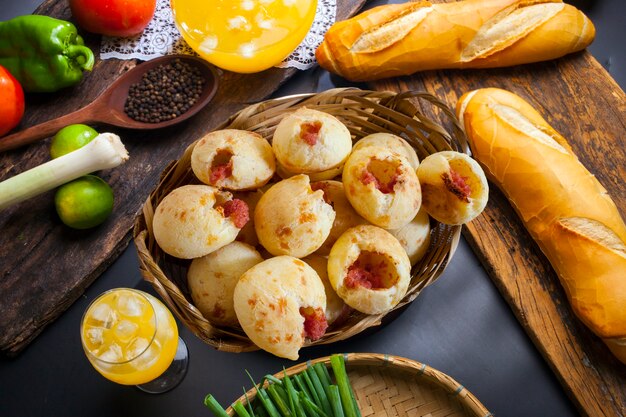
x=400 y=39
x=564 y=207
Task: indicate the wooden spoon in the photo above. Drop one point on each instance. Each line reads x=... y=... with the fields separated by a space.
x=108 y=107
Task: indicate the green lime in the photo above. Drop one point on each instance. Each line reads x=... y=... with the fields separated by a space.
x=71 y=138
x=85 y=202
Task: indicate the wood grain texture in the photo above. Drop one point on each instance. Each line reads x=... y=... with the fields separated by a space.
x=581 y=101
x=45 y=266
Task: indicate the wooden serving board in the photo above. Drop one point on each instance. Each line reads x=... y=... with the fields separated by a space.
x=45 y=266
x=581 y=101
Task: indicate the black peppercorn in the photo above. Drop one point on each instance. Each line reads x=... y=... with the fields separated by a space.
x=164 y=92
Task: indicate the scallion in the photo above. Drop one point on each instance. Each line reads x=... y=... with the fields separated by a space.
x=339 y=369
x=104 y=152
x=294 y=400
x=267 y=403
x=240 y=410
x=214 y=406
x=314 y=397
x=311 y=407
x=335 y=401
x=321 y=393
x=302 y=386
x=278 y=401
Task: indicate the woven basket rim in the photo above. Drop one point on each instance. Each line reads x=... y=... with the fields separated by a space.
x=431 y=375
x=362 y=111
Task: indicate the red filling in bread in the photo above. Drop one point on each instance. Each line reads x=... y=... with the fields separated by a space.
x=324 y=187
x=221 y=166
x=457 y=185
x=383 y=174
x=238 y=212
x=310 y=132
x=371 y=271
x=315 y=323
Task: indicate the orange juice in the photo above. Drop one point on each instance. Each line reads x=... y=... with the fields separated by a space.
x=129 y=336
x=244 y=35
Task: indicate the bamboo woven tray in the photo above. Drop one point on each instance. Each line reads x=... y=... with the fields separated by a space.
x=389 y=386
x=363 y=112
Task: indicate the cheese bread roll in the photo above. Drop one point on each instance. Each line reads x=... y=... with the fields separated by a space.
x=369 y=269
x=382 y=186
x=415 y=236
x=345 y=215
x=310 y=141
x=329 y=174
x=233 y=159
x=195 y=220
x=335 y=307
x=454 y=187
x=212 y=279
x=292 y=219
x=279 y=303
x=390 y=141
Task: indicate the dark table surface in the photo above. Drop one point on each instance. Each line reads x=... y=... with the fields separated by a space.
x=460 y=325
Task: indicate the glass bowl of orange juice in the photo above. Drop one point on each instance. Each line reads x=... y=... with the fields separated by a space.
x=244 y=35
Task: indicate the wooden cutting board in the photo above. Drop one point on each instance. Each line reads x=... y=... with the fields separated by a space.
x=45 y=266
x=581 y=101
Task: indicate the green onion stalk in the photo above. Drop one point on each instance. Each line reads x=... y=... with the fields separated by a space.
x=310 y=393
x=104 y=152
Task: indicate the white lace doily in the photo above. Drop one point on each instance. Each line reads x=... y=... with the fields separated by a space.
x=161 y=37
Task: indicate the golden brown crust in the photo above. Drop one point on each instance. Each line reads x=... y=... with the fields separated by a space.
x=563 y=206
x=400 y=39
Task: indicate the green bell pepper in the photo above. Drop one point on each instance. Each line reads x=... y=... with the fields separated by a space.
x=43 y=53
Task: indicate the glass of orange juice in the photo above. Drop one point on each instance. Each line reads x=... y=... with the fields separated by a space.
x=131 y=338
x=244 y=35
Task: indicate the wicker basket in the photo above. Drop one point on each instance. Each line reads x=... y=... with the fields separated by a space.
x=390 y=386
x=363 y=112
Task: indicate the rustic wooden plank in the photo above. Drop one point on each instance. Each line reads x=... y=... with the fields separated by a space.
x=45 y=266
x=581 y=101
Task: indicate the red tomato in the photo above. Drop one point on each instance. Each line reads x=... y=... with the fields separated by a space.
x=113 y=17
x=11 y=101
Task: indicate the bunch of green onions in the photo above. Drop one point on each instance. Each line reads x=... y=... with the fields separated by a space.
x=310 y=393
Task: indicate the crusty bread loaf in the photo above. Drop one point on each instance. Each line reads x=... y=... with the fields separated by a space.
x=400 y=39
x=563 y=206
